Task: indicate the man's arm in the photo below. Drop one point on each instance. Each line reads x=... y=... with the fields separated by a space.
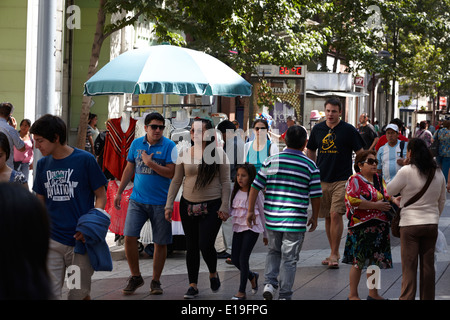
x=126 y=178
x=166 y=171
x=100 y=197
x=251 y=217
x=311 y=154
x=315 y=204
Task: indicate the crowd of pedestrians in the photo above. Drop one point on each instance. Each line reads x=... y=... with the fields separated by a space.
x=253 y=188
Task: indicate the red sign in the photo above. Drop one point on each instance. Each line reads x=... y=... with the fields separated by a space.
x=359 y=81
x=442 y=101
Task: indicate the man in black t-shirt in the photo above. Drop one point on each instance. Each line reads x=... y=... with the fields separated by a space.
x=331 y=146
x=367 y=132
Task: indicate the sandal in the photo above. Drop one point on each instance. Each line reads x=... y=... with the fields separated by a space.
x=333 y=264
x=256 y=277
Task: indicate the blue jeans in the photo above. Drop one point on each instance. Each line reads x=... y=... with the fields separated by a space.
x=281 y=260
x=445 y=165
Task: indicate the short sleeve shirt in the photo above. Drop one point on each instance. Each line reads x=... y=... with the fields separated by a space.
x=335 y=148
x=68 y=187
x=149 y=186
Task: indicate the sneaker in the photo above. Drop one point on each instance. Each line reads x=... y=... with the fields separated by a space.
x=134 y=282
x=191 y=293
x=269 y=292
x=215 y=283
x=155 y=287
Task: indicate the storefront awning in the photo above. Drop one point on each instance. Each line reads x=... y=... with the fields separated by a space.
x=338 y=93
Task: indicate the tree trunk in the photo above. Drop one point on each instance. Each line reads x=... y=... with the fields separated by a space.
x=95 y=54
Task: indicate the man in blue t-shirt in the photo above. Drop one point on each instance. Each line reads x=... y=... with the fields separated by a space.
x=151 y=159
x=70 y=183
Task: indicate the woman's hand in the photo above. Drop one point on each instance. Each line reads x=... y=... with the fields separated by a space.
x=168 y=214
x=383 y=205
x=223 y=215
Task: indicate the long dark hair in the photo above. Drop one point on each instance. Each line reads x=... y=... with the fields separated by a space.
x=251 y=171
x=421 y=156
x=4 y=145
x=206 y=172
x=24 y=260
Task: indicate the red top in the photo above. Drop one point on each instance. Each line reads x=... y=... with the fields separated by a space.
x=382 y=141
x=117 y=144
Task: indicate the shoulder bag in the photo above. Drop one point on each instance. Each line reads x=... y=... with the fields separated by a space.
x=378 y=184
x=434 y=147
x=395 y=223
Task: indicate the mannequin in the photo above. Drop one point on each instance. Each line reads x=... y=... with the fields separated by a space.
x=125 y=121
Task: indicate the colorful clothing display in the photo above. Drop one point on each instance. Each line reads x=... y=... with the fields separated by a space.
x=117 y=216
x=117 y=145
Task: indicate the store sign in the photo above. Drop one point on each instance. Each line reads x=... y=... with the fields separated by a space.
x=359 y=81
x=272 y=71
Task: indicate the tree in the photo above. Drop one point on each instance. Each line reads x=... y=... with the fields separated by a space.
x=102 y=31
x=260 y=31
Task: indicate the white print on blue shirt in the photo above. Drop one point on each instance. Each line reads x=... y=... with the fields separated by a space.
x=59 y=186
x=142 y=168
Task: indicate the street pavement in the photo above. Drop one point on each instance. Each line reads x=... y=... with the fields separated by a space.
x=313 y=281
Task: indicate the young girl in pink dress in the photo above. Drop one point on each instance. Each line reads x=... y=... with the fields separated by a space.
x=244 y=237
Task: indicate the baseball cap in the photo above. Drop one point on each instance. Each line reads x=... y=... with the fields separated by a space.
x=392 y=126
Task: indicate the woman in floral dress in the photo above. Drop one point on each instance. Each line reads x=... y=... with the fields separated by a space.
x=368 y=238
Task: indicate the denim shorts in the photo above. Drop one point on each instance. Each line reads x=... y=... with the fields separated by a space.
x=138 y=213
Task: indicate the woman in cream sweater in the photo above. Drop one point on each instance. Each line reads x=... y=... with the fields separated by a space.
x=419 y=221
x=204 y=172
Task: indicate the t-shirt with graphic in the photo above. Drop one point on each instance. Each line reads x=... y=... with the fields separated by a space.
x=149 y=186
x=335 y=148
x=68 y=187
x=387 y=159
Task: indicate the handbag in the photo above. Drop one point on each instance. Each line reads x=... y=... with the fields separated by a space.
x=434 y=147
x=378 y=184
x=395 y=223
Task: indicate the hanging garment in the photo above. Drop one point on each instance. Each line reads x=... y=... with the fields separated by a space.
x=117 y=216
x=117 y=145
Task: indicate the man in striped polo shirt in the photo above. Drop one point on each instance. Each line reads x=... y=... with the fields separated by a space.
x=290 y=179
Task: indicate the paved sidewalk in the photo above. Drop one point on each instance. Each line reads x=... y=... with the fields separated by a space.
x=313 y=281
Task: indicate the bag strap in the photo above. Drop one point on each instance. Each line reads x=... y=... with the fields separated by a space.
x=421 y=192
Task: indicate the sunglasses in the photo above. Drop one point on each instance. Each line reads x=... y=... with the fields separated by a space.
x=260 y=128
x=155 y=126
x=370 y=161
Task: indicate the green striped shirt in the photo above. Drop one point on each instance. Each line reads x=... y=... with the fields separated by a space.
x=290 y=179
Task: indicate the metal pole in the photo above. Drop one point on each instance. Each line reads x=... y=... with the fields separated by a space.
x=46 y=64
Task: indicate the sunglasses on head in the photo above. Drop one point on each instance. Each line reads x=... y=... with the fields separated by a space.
x=370 y=161
x=155 y=126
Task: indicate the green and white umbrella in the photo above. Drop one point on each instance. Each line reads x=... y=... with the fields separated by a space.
x=167 y=69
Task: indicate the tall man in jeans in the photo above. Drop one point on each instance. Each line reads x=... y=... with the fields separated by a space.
x=290 y=180
x=334 y=141
x=151 y=159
